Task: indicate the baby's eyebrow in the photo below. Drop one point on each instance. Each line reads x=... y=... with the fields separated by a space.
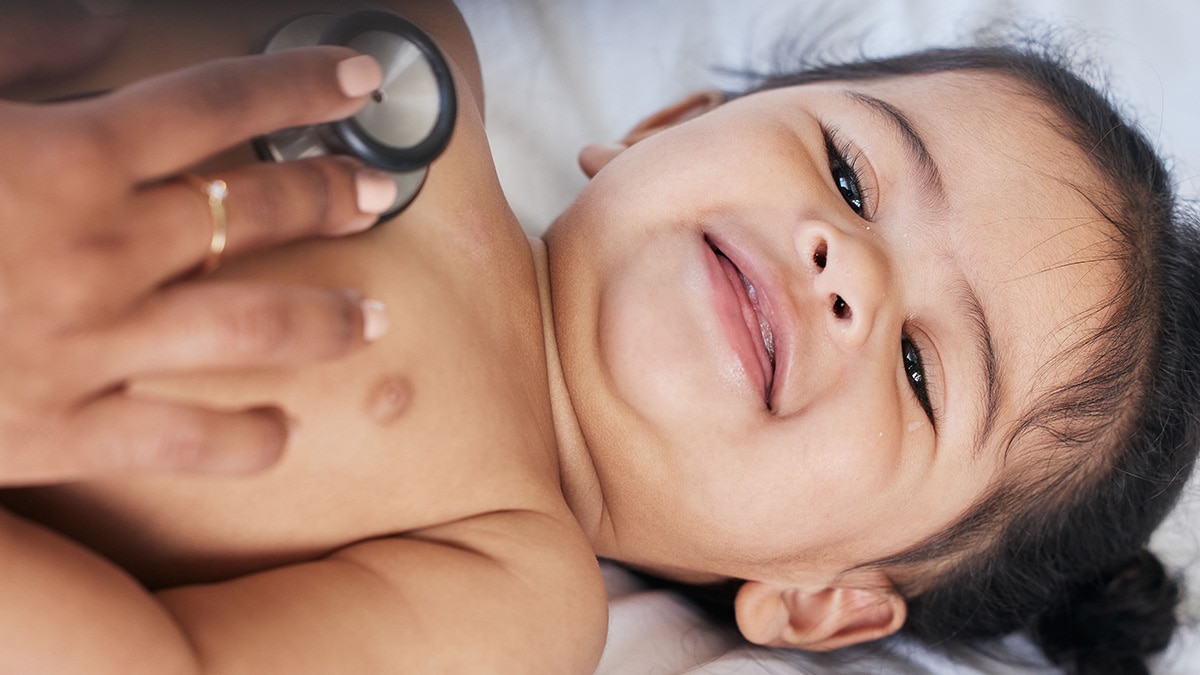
x=927 y=169
x=985 y=353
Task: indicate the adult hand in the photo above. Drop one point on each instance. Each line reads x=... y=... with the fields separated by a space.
x=100 y=241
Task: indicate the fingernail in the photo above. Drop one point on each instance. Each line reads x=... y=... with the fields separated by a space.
x=375 y=319
x=376 y=191
x=359 y=75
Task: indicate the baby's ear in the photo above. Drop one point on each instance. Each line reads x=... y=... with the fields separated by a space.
x=821 y=620
x=595 y=156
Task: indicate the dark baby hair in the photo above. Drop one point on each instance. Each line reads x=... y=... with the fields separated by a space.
x=1061 y=553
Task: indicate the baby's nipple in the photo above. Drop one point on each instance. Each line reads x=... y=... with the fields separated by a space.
x=389 y=399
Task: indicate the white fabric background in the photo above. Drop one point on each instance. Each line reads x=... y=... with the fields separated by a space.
x=559 y=74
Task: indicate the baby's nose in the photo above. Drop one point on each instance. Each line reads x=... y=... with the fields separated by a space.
x=849 y=279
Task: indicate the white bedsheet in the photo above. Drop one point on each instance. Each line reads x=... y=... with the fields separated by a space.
x=561 y=73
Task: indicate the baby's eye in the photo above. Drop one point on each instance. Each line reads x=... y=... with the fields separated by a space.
x=846 y=175
x=914 y=372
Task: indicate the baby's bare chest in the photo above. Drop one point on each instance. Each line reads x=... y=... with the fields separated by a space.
x=443 y=419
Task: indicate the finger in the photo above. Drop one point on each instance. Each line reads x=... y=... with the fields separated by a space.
x=120 y=433
x=214 y=325
x=210 y=107
x=266 y=204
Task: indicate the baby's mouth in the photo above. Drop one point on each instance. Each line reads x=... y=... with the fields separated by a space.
x=755 y=319
x=764 y=326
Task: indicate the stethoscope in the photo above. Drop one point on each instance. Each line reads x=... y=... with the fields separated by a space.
x=407 y=122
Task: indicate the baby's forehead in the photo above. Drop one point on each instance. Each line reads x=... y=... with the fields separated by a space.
x=963 y=94
x=995 y=114
x=959 y=83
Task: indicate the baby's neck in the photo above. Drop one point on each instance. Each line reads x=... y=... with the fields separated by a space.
x=577 y=475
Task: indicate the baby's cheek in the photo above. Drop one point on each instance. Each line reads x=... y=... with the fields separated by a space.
x=862 y=442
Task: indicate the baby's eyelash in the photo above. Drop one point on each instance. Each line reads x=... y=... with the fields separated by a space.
x=915 y=373
x=844 y=166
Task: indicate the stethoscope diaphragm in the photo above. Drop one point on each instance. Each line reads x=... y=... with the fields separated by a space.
x=409 y=119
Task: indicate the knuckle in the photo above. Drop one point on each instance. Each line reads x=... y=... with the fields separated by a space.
x=101 y=242
x=91 y=257
x=180 y=445
x=63 y=269
x=73 y=151
x=75 y=280
x=346 y=329
x=267 y=207
x=257 y=328
x=69 y=145
x=74 y=296
x=225 y=89
x=95 y=143
x=296 y=200
x=316 y=180
x=68 y=286
x=81 y=290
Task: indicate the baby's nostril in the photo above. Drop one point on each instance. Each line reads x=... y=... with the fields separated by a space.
x=819 y=256
x=840 y=309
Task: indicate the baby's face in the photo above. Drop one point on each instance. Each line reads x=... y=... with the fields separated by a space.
x=786 y=365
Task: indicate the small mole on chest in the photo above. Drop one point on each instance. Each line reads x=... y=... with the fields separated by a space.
x=389 y=398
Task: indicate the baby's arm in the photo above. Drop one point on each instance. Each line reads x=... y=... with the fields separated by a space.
x=67 y=610
x=508 y=592
x=523 y=596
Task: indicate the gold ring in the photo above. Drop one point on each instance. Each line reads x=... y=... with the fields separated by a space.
x=216 y=191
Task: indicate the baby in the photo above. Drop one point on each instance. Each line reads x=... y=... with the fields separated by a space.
x=895 y=344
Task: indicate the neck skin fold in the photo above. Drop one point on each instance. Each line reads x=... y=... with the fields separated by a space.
x=577 y=475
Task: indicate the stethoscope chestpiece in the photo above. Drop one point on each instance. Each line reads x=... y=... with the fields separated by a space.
x=409 y=119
